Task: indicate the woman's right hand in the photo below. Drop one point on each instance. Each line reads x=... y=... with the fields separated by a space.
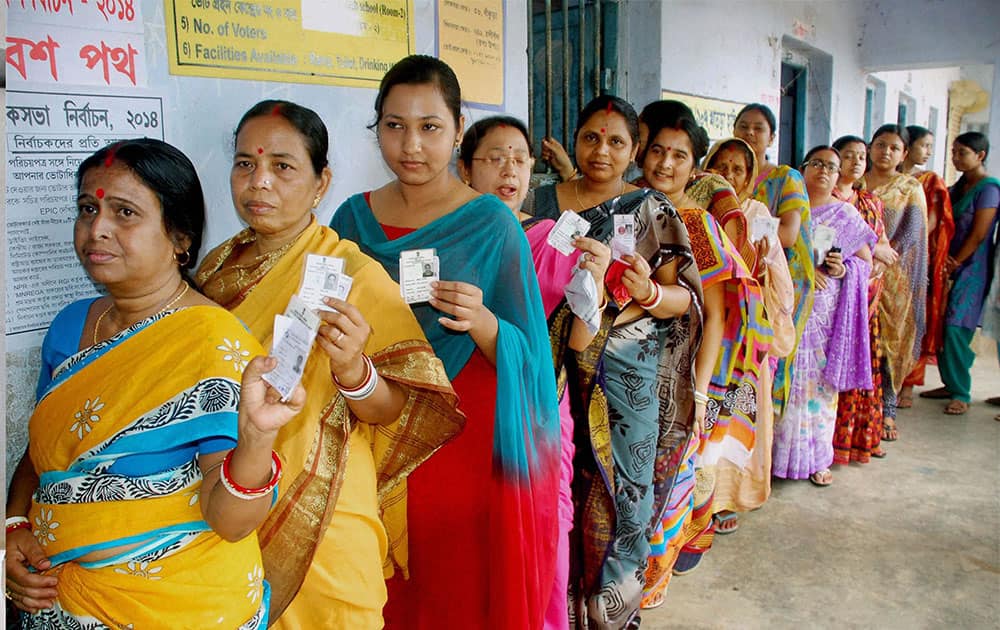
x=595 y=257
x=557 y=157
x=29 y=591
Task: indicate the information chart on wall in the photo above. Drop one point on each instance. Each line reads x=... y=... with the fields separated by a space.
x=338 y=42
x=48 y=135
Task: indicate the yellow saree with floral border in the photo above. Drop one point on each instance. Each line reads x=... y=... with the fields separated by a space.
x=114 y=440
x=339 y=525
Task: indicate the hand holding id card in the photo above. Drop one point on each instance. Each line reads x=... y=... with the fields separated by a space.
x=823 y=239
x=418 y=268
x=569 y=226
x=324 y=277
x=761 y=226
x=292 y=351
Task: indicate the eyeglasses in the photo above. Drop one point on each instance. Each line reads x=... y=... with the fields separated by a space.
x=829 y=167
x=498 y=161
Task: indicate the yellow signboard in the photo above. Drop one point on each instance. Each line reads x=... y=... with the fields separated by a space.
x=717 y=116
x=339 y=42
x=470 y=40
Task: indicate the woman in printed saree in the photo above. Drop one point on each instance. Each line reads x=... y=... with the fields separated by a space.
x=976 y=196
x=833 y=355
x=496 y=157
x=709 y=191
x=136 y=480
x=499 y=480
x=733 y=349
x=940 y=229
x=902 y=311
x=781 y=189
x=858 y=431
x=639 y=417
x=379 y=401
x=750 y=487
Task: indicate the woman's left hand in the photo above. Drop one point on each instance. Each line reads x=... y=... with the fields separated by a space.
x=343 y=335
x=636 y=277
x=464 y=302
x=835 y=265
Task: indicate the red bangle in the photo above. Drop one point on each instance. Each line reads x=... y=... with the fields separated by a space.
x=369 y=367
x=654 y=298
x=239 y=491
x=19 y=525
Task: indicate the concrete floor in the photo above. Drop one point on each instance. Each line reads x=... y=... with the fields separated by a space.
x=911 y=541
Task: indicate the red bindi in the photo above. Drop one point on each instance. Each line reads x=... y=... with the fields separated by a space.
x=260 y=151
x=603 y=130
x=276 y=110
x=100 y=193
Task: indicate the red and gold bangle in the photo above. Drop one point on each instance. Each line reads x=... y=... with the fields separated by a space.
x=17 y=522
x=655 y=297
x=249 y=494
x=364 y=389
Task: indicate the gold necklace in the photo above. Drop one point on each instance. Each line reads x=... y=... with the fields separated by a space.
x=576 y=192
x=165 y=307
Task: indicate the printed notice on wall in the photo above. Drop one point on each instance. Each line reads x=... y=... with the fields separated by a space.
x=717 y=116
x=337 y=42
x=470 y=40
x=48 y=135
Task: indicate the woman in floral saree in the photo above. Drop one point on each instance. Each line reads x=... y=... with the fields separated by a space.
x=142 y=487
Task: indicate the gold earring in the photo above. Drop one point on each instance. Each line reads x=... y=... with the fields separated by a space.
x=316 y=202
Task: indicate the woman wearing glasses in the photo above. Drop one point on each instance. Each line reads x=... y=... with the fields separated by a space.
x=495 y=157
x=833 y=354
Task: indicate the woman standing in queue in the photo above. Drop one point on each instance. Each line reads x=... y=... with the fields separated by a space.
x=496 y=158
x=940 y=229
x=627 y=462
x=142 y=487
x=833 y=354
x=903 y=309
x=976 y=196
x=782 y=190
x=734 y=346
x=379 y=400
x=482 y=512
x=858 y=433
x=750 y=487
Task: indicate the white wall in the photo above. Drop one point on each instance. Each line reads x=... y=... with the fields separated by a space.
x=733 y=51
x=199 y=117
x=930 y=89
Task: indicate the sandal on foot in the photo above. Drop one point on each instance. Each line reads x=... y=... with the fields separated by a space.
x=822 y=478
x=890 y=433
x=956 y=408
x=993 y=400
x=880 y=453
x=997 y=417
x=904 y=402
x=726 y=522
x=655 y=600
x=687 y=562
x=939 y=393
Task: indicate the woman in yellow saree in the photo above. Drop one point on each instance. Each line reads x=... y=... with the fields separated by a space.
x=117 y=507
x=341 y=513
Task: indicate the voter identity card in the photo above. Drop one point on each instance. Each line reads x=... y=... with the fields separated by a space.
x=761 y=226
x=324 y=277
x=823 y=239
x=623 y=239
x=418 y=268
x=292 y=351
x=569 y=226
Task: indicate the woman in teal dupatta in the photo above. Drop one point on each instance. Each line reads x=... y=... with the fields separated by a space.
x=482 y=512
